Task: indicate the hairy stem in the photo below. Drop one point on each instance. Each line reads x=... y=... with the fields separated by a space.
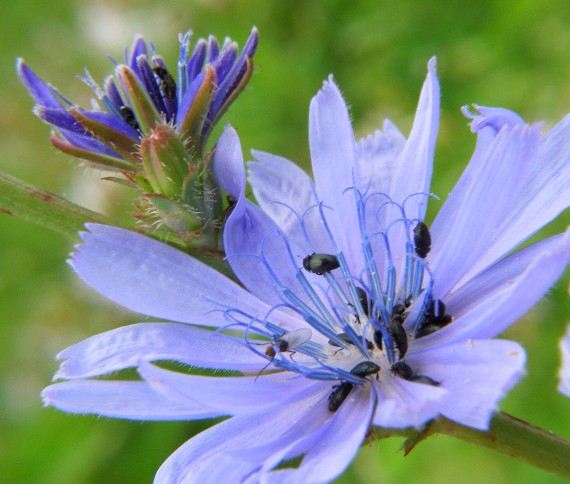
x=53 y=212
x=44 y=208
x=507 y=435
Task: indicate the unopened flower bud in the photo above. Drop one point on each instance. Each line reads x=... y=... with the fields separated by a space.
x=166 y=162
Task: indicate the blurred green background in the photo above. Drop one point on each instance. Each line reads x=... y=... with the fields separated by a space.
x=513 y=53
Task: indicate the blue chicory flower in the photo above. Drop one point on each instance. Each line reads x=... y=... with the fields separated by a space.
x=564 y=385
x=364 y=316
x=143 y=93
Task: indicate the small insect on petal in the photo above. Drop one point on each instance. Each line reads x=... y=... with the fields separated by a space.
x=403 y=370
x=166 y=82
x=294 y=339
x=398 y=309
x=347 y=340
x=422 y=240
x=378 y=339
x=129 y=117
x=365 y=368
x=398 y=332
x=339 y=395
x=341 y=392
x=363 y=300
x=342 y=336
x=435 y=319
x=426 y=380
x=289 y=341
x=320 y=263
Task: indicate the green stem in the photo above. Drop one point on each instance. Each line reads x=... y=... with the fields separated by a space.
x=44 y=208
x=507 y=435
x=56 y=213
x=518 y=439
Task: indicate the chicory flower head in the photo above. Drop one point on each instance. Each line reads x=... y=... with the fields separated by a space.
x=151 y=128
x=354 y=312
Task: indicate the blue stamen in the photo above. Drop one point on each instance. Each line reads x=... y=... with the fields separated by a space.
x=390 y=288
x=349 y=280
x=408 y=271
x=315 y=299
x=426 y=194
x=419 y=265
x=367 y=248
x=424 y=309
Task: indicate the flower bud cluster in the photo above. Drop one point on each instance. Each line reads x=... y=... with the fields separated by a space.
x=152 y=130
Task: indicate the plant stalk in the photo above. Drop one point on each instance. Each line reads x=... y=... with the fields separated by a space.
x=507 y=435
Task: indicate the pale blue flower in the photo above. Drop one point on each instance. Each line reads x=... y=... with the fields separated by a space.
x=390 y=333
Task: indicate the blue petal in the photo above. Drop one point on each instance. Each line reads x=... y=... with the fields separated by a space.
x=40 y=91
x=130 y=400
x=413 y=168
x=229 y=165
x=415 y=163
x=61 y=119
x=151 y=278
x=114 y=123
x=340 y=441
x=479 y=204
x=332 y=147
x=496 y=298
x=227 y=82
x=89 y=143
x=490 y=120
x=376 y=165
x=285 y=192
x=112 y=93
x=188 y=97
x=124 y=347
x=544 y=194
x=225 y=61
x=213 y=49
x=196 y=62
x=536 y=195
x=376 y=159
x=303 y=435
x=254 y=244
x=149 y=82
x=228 y=395
x=137 y=49
x=404 y=404
x=476 y=374
x=199 y=459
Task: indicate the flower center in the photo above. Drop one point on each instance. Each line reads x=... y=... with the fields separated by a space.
x=361 y=323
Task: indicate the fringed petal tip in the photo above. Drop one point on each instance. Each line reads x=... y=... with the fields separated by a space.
x=91 y=229
x=496 y=118
x=432 y=66
x=47 y=401
x=329 y=90
x=85 y=236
